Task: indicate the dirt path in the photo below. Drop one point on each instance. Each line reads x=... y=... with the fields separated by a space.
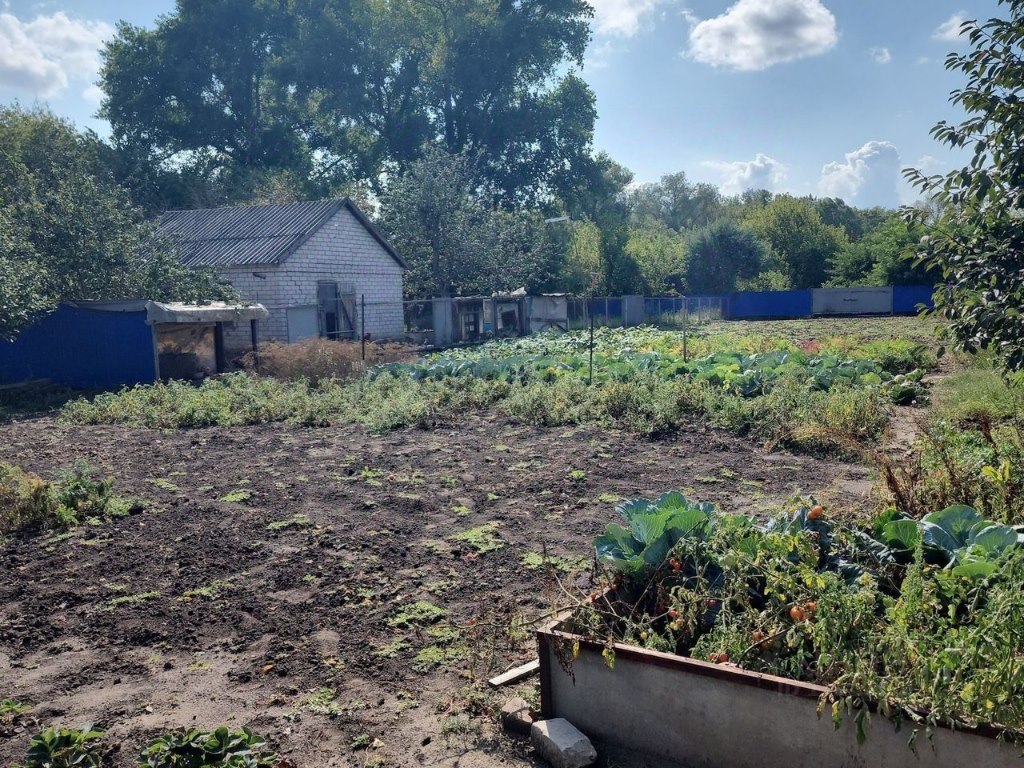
x=288 y=607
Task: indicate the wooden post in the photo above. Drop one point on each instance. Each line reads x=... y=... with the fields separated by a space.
x=255 y=342
x=590 y=379
x=218 y=347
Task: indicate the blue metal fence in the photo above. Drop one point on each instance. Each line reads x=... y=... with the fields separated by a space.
x=770 y=305
x=82 y=348
x=907 y=298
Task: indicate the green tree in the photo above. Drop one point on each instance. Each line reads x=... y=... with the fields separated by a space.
x=721 y=255
x=205 y=88
x=978 y=244
x=660 y=255
x=802 y=245
x=881 y=257
x=676 y=202
x=68 y=231
x=441 y=218
x=597 y=193
x=333 y=92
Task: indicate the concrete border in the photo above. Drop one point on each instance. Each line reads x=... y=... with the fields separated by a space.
x=694 y=714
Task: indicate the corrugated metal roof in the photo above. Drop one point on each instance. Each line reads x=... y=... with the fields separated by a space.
x=259 y=234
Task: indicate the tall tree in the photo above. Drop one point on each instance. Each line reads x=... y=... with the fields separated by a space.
x=802 y=245
x=337 y=91
x=978 y=243
x=677 y=202
x=722 y=254
x=204 y=87
x=68 y=231
x=440 y=217
x=660 y=255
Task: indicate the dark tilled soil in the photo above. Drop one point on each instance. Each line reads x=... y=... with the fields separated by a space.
x=107 y=626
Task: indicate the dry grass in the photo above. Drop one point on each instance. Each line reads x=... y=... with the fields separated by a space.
x=317 y=359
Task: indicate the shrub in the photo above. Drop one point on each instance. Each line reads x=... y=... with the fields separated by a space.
x=317 y=359
x=29 y=502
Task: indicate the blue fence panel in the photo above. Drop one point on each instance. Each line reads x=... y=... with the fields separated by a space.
x=906 y=298
x=764 y=305
x=82 y=348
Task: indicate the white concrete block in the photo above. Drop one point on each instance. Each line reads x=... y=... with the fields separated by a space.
x=560 y=743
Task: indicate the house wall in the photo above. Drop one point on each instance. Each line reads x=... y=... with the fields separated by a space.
x=341 y=251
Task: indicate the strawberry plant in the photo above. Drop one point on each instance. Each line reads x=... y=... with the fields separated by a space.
x=68 y=748
x=219 y=748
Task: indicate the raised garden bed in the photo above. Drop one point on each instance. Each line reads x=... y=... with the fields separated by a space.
x=894 y=642
x=697 y=714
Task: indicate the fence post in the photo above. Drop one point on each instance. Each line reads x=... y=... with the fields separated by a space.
x=362 y=324
x=686 y=317
x=590 y=378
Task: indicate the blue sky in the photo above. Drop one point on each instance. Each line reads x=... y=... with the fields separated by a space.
x=824 y=97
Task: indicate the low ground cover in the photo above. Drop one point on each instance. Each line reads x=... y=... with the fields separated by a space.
x=923 y=617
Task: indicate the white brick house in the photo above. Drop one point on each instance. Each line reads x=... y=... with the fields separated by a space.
x=312 y=265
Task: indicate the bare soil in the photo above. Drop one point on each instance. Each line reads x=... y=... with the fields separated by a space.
x=195 y=613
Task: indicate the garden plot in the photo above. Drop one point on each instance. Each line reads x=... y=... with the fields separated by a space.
x=330 y=587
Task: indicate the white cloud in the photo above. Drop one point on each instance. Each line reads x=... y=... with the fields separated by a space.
x=45 y=55
x=869 y=176
x=762 y=172
x=949 y=30
x=622 y=17
x=756 y=34
x=922 y=60
x=880 y=55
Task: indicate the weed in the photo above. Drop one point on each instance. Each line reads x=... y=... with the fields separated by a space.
x=577 y=474
x=362 y=741
x=437 y=657
x=237 y=496
x=392 y=650
x=462 y=511
x=164 y=484
x=483 y=538
x=323 y=702
x=12 y=708
x=536 y=560
x=130 y=600
x=296 y=521
x=30 y=503
x=418 y=614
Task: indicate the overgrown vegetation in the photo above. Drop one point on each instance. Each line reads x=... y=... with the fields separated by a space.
x=971 y=450
x=827 y=393
x=320 y=359
x=922 y=616
x=76 y=495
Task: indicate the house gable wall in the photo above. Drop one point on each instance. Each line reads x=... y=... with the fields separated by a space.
x=342 y=251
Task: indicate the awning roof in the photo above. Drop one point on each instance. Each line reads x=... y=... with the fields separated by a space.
x=160 y=313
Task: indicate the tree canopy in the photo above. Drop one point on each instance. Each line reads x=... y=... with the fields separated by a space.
x=68 y=231
x=341 y=91
x=978 y=242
